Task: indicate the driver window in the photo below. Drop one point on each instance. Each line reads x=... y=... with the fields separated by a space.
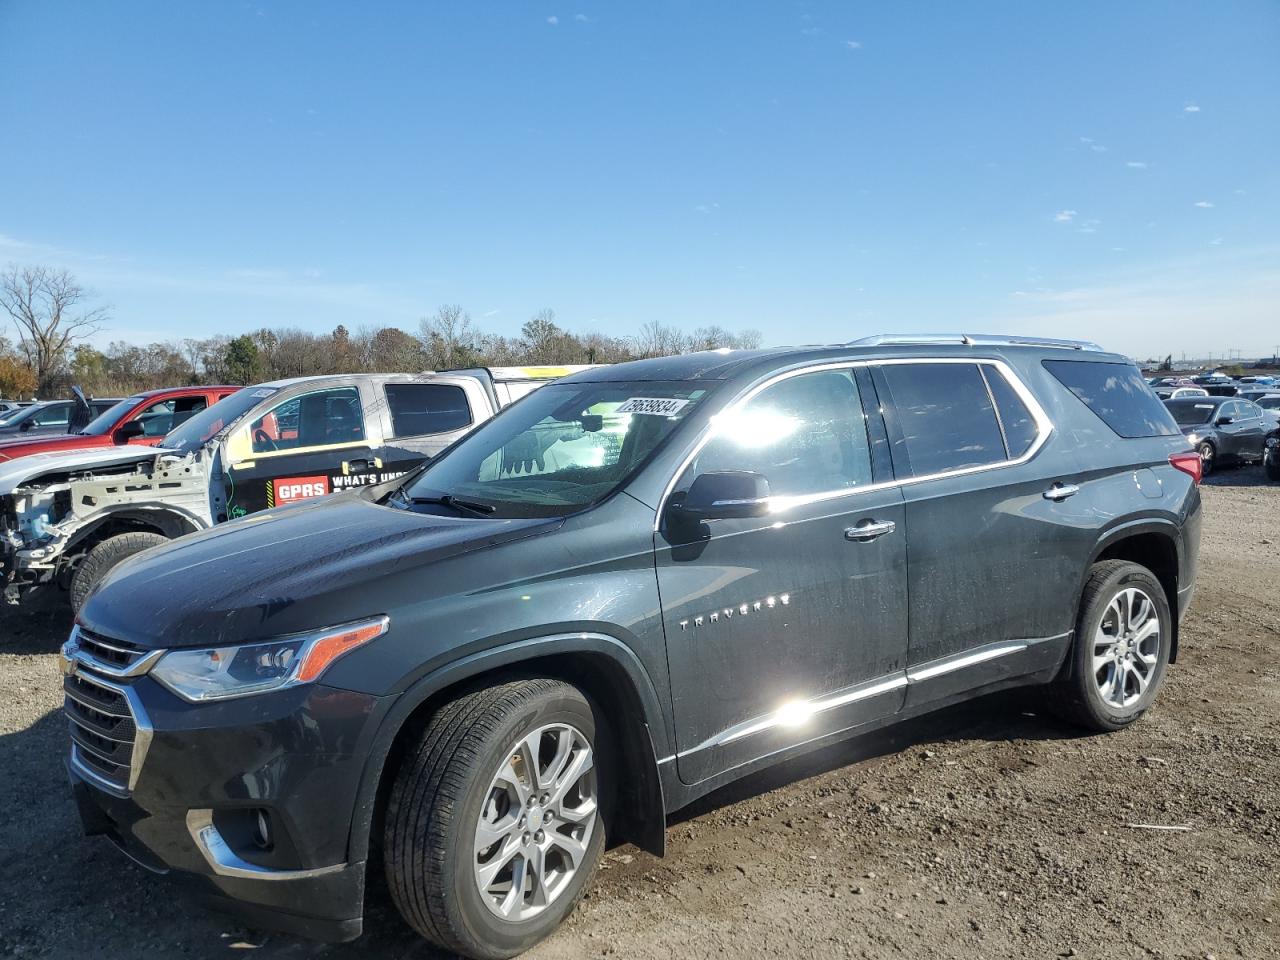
x=806 y=435
x=324 y=418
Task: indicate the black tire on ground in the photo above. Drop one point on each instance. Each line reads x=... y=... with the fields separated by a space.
x=107 y=554
x=1208 y=457
x=436 y=801
x=1077 y=697
x=1272 y=461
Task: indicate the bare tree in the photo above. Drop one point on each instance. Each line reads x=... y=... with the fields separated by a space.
x=449 y=338
x=43 y=303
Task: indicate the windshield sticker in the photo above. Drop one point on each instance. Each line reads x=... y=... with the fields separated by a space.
x=262 y=393
x=653 y=406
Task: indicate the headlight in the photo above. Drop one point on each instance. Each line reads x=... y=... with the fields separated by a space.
x=219 y=673
x=1193 y=438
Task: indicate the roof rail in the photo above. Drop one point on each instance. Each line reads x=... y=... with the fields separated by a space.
x=971 y=340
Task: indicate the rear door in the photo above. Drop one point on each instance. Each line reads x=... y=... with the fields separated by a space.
x=1253 y=429
x=422 y=417
x=985 y=567
x=306 y=444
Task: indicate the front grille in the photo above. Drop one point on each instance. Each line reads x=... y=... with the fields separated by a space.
x=104 y=730
x=119 y=654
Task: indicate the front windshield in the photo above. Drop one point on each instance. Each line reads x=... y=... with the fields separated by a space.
x=562 y=448
x=103 y=423
x=213 y=420
x=1189 y=413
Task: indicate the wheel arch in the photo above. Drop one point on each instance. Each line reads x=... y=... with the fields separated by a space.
x=606 y=671
x=169 y=521
x=1155 y=544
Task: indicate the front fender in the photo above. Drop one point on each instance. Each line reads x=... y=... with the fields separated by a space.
x=638 y=735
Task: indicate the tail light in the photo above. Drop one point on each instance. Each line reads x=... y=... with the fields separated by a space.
x=1189 y=463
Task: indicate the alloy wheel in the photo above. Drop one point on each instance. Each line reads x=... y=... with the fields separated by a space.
x=536 y=822
x=1126 y=648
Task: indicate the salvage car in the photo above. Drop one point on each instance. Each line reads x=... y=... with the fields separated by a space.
x=1222 y=430
x=68 y=518
x=635 y=586
x=144 y=418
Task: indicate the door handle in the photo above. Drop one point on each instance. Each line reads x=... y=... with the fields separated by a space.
x=1060 y=491
x=870 y=530
x=354 y=466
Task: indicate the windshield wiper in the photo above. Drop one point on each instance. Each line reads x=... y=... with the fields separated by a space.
x=457 y=503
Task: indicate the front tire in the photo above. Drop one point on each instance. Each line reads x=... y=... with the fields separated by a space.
x=494 y=825
x=1208 y=457
x=99 y=561
x=1123 y=640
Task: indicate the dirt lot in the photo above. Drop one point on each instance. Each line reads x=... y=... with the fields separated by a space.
x=983 y=831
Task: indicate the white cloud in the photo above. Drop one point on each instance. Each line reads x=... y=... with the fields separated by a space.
x=553 y=20
x=1203 y=204
x=1191 y=108
x=1137 y=164
x=490 y=313
x=1098 y=148
x=853 y=44
x=1215 y=242
x=581 y=18
x=1064 y=216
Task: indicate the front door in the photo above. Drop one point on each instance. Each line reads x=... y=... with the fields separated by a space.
x=307 y=445
x=784 y=628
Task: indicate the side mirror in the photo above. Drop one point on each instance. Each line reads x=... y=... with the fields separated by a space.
x=130 y=431
x=1224 y=421
x=724 y=495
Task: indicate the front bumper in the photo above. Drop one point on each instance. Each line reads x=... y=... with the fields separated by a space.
x=296 y=757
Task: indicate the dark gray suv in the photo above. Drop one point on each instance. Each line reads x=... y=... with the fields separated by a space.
x=629 y=588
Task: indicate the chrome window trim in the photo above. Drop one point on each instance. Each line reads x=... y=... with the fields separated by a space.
x=1044 y=428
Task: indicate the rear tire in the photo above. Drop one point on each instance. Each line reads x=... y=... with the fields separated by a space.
x=1123 y=639
x=478 y=853
x=99 y=561
x=1271 y=460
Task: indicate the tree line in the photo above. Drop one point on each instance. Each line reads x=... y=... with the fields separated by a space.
x=52 y=320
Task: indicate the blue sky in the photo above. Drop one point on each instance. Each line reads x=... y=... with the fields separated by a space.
x=818 y=171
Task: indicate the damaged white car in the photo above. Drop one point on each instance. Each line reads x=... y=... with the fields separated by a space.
x=68 y=518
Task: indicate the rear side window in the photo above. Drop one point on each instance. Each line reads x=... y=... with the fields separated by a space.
x=946 y=415
x=422 y=408
x=1119 y=396
x=1020 y=429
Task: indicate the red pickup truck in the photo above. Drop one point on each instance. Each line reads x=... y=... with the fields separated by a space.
x=143 y=418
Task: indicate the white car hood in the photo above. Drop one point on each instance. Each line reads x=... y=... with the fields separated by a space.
x=15 y=473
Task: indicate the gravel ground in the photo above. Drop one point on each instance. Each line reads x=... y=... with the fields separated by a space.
x=983 y=831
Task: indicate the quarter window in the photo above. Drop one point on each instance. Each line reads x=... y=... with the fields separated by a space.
x=424 y=408
x=1117 y=393
x=947 y=419
x=325 y=418
x=1019 y=426
x=805 y=435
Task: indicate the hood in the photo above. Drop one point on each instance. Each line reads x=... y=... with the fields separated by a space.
x=15 y=473
x=300 y=567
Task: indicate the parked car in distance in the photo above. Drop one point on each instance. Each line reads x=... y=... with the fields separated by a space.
x=1217 y=385
x=47 y=418
x=1174 y=393
x=1222 y=429
x=70 y=517
x=632 y=587
x=143 y=419
x=9 y=406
